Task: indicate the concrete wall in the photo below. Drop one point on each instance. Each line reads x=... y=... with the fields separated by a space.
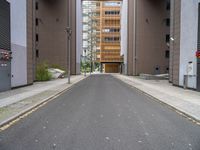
x=188 y=40
x=124 y=30
x=74 y=66
x=79 y=41
x=131 y=40
x=19 y=65
x=151 y=36
x=175 y=42
x=30 y=41
x=53 y=43
x=147 y=32
x=19 y=42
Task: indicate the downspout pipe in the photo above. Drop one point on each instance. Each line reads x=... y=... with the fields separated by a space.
x=135 y=36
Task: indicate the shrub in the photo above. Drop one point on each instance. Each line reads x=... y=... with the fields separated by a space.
x=42 y=73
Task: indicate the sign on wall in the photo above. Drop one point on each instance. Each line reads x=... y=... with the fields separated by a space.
x=5 y=55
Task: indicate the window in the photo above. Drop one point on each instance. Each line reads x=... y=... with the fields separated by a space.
x=111 y=30
x=167 y=38
x=168 y=22
x=36 y=6
x=112 y=12
x=157 y=68
x=168 y=5
x=112 y=4
x=112 y=39
x=37 y=53
x=112 y=22
x=36 y=22
x=167 y=54
x=37 y=37
x=57 y=19
x=98 y=4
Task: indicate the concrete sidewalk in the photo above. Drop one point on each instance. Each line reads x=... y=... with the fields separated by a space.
x=186 y=102
x=17 y=101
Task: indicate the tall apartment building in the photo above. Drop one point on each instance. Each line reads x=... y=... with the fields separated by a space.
x=146 y=28
x=35 y=32
x=102 y=33
x=90 y=31
x=50 y=37
x=139 y=28
x=110 y=37
x=185 y=39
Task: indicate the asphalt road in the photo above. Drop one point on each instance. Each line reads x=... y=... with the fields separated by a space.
x=102 y=113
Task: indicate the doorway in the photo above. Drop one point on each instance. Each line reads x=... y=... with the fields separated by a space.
x=5 y=54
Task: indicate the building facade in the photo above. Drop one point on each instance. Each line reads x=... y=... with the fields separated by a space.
x=110 y=37
x=185 y=29
x=5 y=46
x=36 y=33
x=124 y=35
x=50 y=36
x=19 y=43
x=101 y=33
x=148 y=34
x=91 y=31
x=19 y=31
x=154 y=37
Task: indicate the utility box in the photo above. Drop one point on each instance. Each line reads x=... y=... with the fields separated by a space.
x=190 y=69
x=5 y=46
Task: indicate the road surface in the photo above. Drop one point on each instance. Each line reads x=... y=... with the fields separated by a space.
x=102 y=113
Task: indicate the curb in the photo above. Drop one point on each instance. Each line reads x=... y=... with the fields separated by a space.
x=180 y=112
x=10 y=121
